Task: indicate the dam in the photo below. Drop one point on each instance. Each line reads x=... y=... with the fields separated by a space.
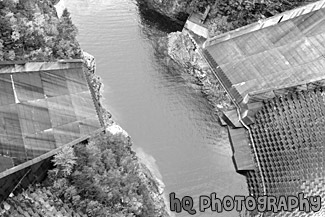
x=256 y=180
x=43 y=107
x=274 y=73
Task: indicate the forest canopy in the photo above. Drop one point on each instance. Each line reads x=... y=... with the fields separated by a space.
x=30 y=30
x=226 y=15
x=103 y=177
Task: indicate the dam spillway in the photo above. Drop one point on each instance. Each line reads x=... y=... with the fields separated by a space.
x=42 y=107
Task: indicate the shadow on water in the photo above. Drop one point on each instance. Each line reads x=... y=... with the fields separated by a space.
x=157 y=21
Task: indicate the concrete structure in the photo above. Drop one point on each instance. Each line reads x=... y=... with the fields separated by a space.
x=242 y=156
x=272 y=57
x=274 y=72
x=195 y=24
x=43 y=107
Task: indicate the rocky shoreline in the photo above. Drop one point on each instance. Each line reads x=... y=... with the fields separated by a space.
x=184 y=51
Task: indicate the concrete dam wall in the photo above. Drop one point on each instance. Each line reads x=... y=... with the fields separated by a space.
x=43 y=106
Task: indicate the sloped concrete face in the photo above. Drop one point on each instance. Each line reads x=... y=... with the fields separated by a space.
x=42 y=107
x=18 y=66
x=281 y=52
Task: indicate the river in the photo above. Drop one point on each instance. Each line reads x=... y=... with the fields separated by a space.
x=170 y=122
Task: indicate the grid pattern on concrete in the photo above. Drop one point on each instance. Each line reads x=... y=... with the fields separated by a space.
x=289 y=138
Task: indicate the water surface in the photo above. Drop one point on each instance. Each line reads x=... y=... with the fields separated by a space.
x=165 y=113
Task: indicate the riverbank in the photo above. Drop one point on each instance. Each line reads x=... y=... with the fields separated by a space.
x=116 y=182
x=184 y=51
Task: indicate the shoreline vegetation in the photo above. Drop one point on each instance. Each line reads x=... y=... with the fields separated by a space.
x=31 y=31
x=98 y=177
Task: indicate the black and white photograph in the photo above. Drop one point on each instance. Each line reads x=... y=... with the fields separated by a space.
x=162 y=108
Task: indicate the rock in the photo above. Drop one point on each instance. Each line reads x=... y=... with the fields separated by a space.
x=89 y=61
x=97 y=87
x=115 y=129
